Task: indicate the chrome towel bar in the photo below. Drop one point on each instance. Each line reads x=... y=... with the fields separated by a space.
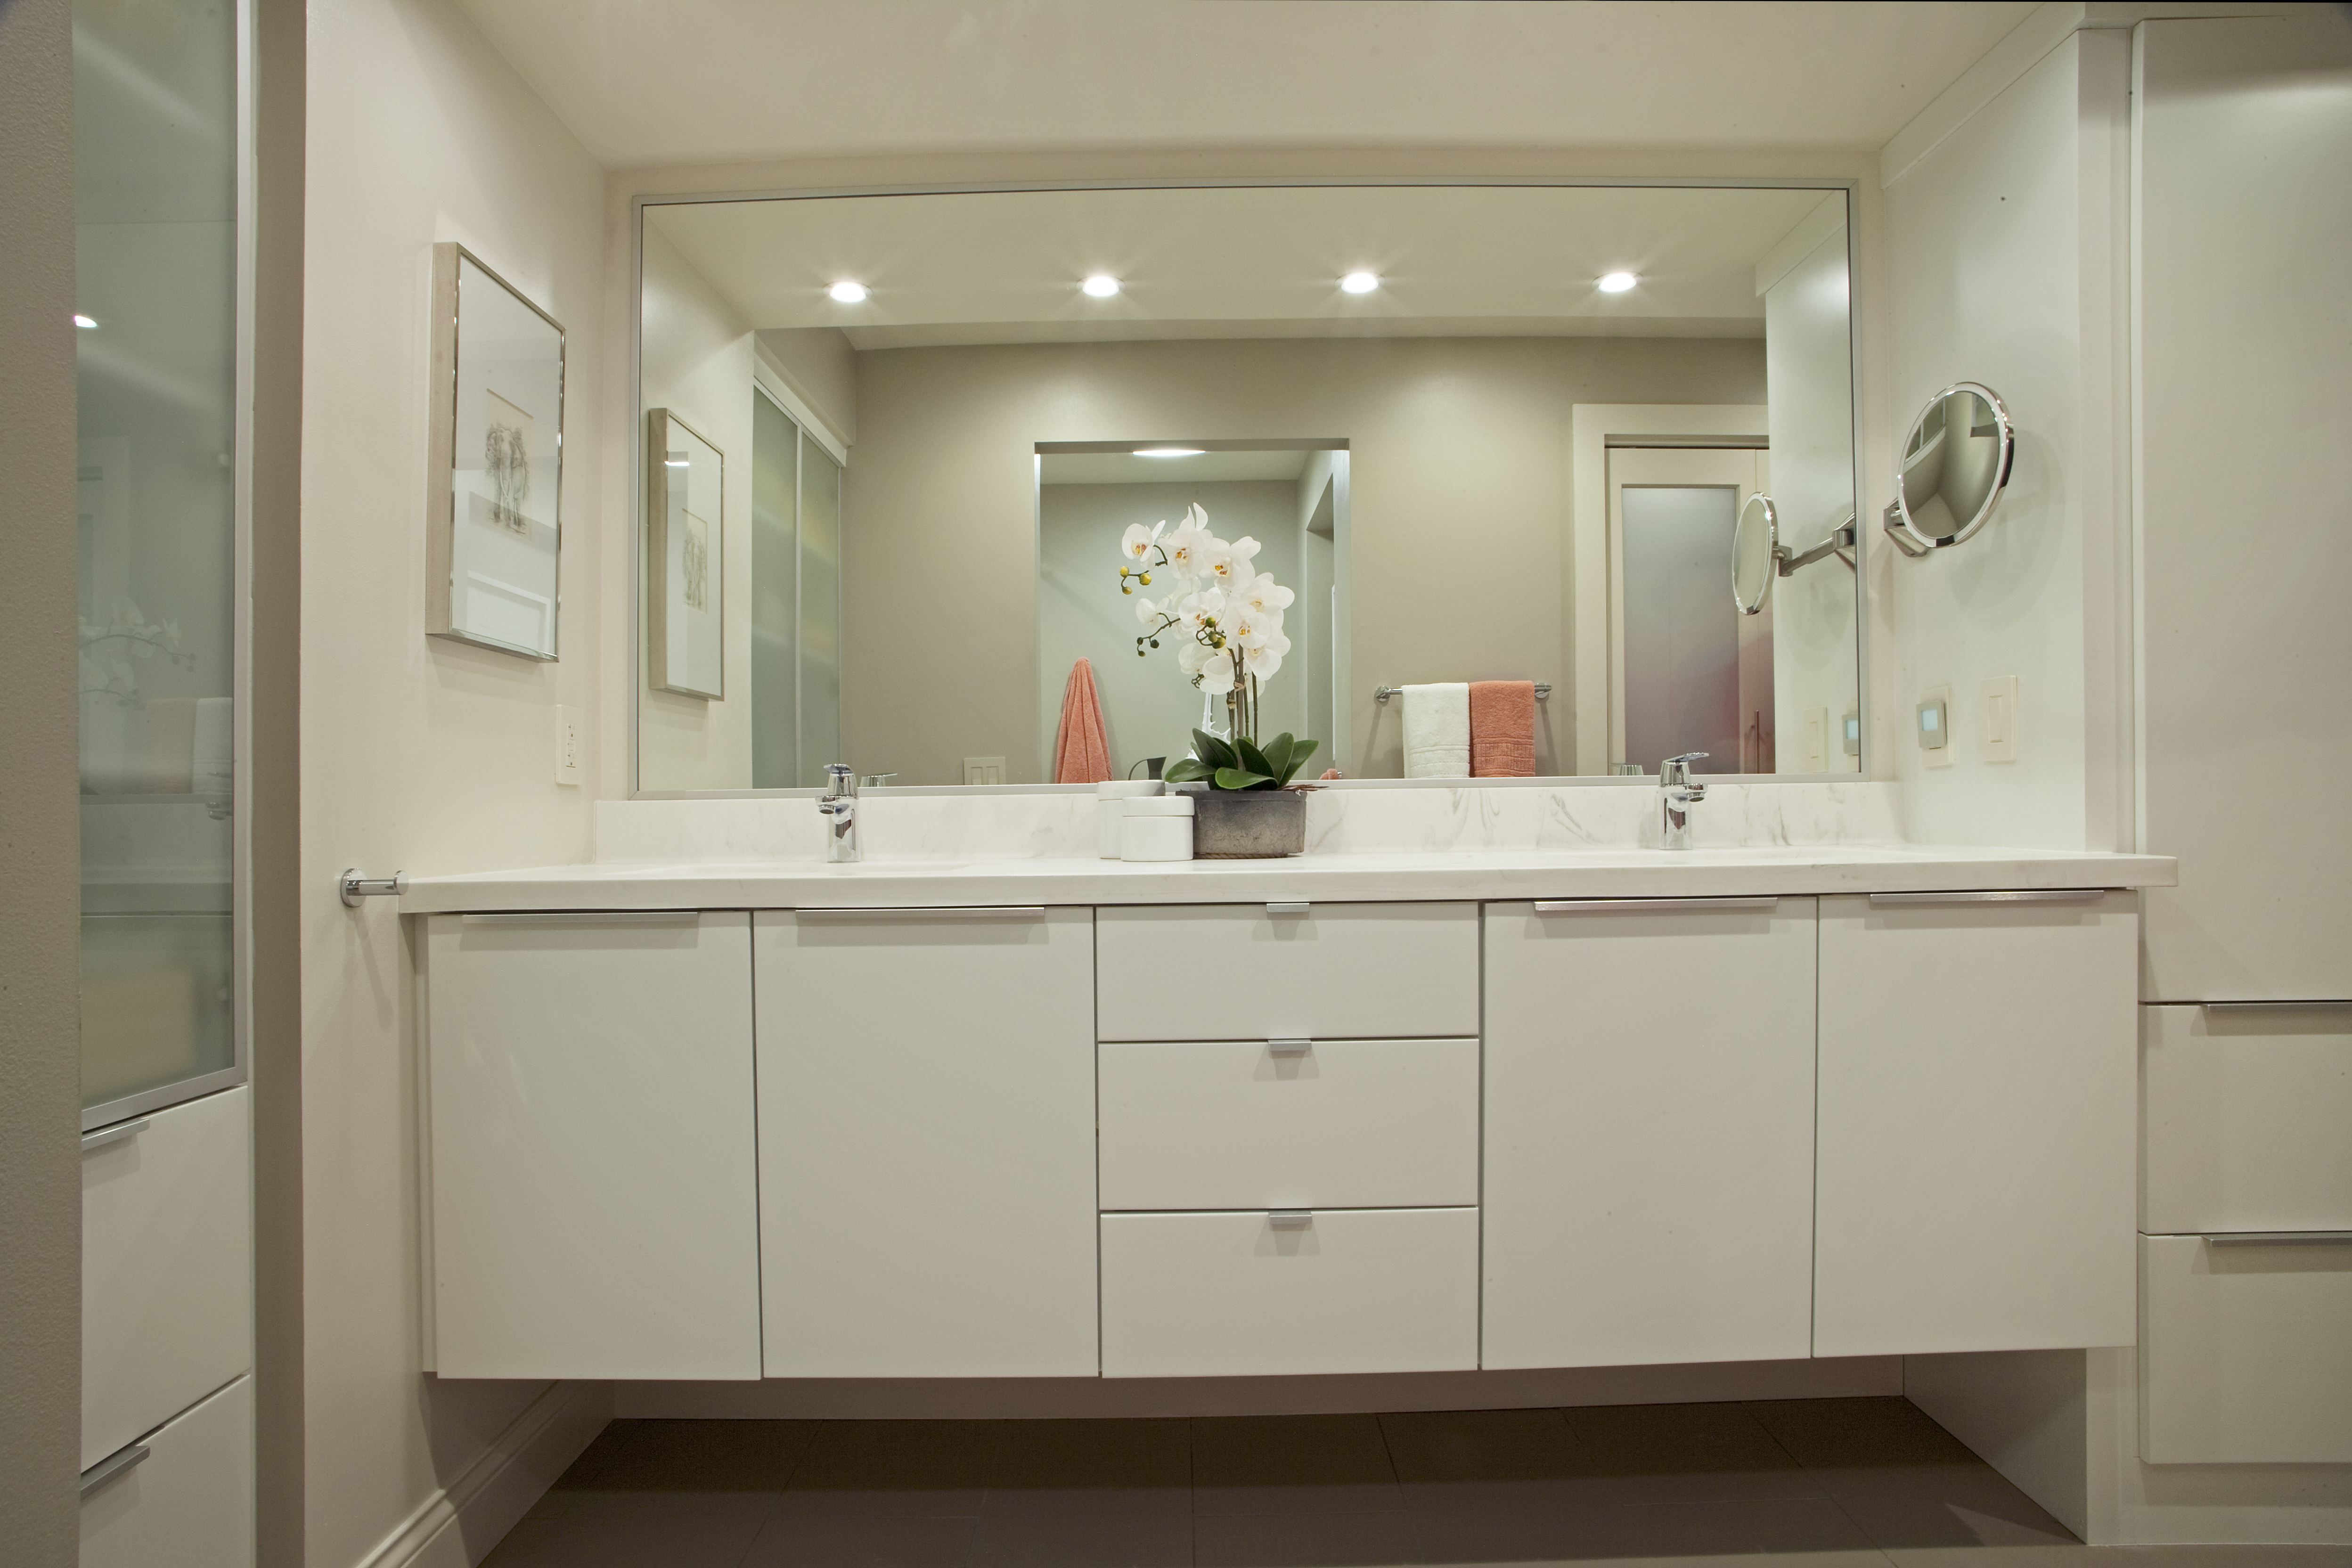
x=1383 y=693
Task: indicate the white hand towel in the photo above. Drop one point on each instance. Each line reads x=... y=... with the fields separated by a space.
x=1437 y=731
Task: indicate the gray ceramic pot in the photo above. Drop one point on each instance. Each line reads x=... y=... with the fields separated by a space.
x=1248 y=824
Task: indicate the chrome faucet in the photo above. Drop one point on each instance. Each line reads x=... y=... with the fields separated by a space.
x=1676 y=795
x=839 y=803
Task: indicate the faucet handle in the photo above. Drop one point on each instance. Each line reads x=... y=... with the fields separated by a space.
x=1676 y=770
x=840 y=780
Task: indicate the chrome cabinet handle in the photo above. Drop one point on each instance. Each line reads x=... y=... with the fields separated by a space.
x=1293 y=908
x=927 y=912
x=1289 y=1216
x=115 y=1134
x=2316 y=1005
x=1289 y=1048
x=2278 y=1237
x=120 y=1462
x=2006 y=896
x=584 y=917
x=1630 y=906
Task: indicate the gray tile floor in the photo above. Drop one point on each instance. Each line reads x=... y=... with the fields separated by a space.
x=1859 y=1483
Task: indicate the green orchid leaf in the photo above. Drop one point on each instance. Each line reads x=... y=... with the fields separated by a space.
x=1299 y=752
x=1188 y=769
x=1237 y=778
x=1212 y=751
x=1252 y=759
x=1277 y=755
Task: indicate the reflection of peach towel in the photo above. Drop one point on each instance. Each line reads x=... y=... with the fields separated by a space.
x=1503 y=729
x=1081 y=750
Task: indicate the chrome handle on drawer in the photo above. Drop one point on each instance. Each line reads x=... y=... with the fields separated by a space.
x=115 y=1134
x=1629 y=906
x=930 y=912
x=1290 y=1216
x=1293 y=908
x=120 y=1462
x=2314 y=1006
x=582 y=916
x=2005 y=896
x=2278 y=1237
x=1289 y=1048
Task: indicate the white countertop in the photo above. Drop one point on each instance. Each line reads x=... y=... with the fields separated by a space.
x=1467 y=874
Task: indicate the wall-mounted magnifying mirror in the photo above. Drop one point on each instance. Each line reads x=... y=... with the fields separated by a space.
x=1758 y=556
x=1956 y=464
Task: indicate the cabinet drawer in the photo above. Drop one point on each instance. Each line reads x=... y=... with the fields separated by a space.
x=1240 y=1124
x=166 y=1267
x=188 y=1502
x=2245 y=1353
x=1239 y=972
x=1204 y=1295
x=2243 y=1120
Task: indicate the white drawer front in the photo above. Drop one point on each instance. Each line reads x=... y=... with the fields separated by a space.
x=166 y=1268
x=189 y=1503
x=2244 y=1120
x=2245 y=1353
x=1238 y=972
x=1244 y=1124
x=1205 y=1295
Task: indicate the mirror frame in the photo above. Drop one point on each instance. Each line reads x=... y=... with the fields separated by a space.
x=1773 y=553
x=1905 y=530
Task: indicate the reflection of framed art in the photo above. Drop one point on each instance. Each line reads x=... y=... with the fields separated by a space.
x=492 y=522
x=685 y=558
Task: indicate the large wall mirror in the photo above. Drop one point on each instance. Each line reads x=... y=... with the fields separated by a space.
x=1471 y=432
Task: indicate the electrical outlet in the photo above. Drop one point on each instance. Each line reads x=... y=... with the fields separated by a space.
x=983 y=770
x=1935 y=746
x=570 y=752
x=1997 y=720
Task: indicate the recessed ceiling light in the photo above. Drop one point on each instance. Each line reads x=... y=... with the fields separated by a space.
x=1101 y=286
x=1617 y=282
x=1168 y=451
x=848 y=291
x=84 y=323
x=1360 y=282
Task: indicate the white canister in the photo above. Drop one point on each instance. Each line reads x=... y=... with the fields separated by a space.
x=1156 y=828
x=1110 y=809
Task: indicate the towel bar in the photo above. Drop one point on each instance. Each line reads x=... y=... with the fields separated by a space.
x=1383 y=693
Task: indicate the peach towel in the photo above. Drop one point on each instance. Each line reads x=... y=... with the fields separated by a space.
x=1503 y=729
x=1081 y=749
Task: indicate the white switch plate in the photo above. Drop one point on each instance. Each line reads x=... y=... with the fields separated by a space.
x=1939 y=756
x=1817 y=739
x=568 y=748
x=983 y=770
x=1997 y=720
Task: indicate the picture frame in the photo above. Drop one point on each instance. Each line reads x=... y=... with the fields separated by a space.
x=686 y=564
x=494 y=485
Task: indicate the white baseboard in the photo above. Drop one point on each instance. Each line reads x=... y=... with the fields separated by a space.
x=457 y=1525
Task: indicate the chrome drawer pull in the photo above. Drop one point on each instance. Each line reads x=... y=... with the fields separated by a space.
x=1290 y=1216
x=1630 y=906
x=2279 y=1237
x=115 y=1134
x=120 y=1462
x=1297 y=909
x=584 y=917
x=2006 y=896
x=930 y=912
x=1289 y=1048
x=2314 y=1006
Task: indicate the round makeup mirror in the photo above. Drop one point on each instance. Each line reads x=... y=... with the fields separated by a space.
x=1956 y=464
x=1755 y=554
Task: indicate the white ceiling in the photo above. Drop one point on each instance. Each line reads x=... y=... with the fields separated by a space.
x=1004 y=267
x=649 y=82
x=1126 y=468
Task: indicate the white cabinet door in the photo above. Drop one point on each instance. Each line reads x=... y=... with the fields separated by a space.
x=183 y=1496
x=1649 y=1134
x=2245 y=1353
x=2248 y=1120
x=166 y=1266
x=594 y=1175
x=1978 y=1103
x=927 y=1143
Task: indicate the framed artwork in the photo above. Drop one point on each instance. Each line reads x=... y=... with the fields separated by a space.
x=686 y=573
x=492 y=511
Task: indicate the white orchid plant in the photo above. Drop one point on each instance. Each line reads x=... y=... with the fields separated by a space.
x=1225 y=617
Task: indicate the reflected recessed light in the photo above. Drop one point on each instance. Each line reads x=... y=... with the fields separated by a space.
x=84 y=323
x=1101 y=286
x=847 y=292
x=1617 y=282
x=1360 y=282
x=1168 y=451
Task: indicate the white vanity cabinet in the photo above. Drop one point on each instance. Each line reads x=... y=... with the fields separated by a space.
x=1977 y=1122
x=926 y=1149
x=589 y=1104
x=1649 y=1158
x=182 y=1495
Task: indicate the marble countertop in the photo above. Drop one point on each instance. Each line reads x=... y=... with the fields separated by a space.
x=1347 y=876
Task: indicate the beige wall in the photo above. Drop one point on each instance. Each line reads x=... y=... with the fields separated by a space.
x=40 y=1060
x=1459 y=485
x=416 y=754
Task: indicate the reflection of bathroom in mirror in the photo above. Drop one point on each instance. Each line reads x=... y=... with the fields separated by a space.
x=1516 y=450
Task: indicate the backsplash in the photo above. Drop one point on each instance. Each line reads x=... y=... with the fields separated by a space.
x=1061 y=826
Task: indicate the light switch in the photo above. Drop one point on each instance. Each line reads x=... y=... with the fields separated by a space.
x=569 y=768
x=1997 y=720
x=1936 y=727
x=1817 y=739
x=983 y=770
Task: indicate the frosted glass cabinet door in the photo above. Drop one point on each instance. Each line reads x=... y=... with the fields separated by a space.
x=1978 y=1121
x=593 y=1171
x=926 y=1143
x=1649 y=1135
